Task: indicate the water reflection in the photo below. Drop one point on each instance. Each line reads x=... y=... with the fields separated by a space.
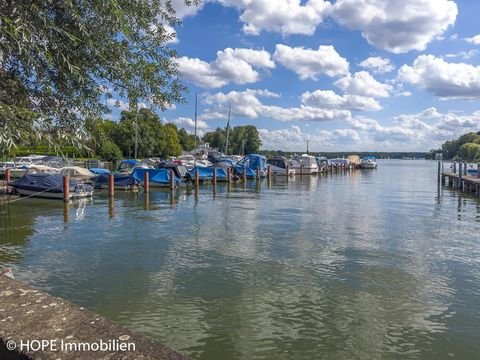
x=375 y=264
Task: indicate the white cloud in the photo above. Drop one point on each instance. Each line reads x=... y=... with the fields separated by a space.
x=466 y=55
x=182 y=10
x=189 y=123
x=474 y=39
x=309 y=63
x=294 y=139
x=231 y=65
x=119 y=104
x=247 y=104
x=445 y=80
x=396 y=26
x=377 y=64
x=363 y=84
x=329 y=99
x=282 y=16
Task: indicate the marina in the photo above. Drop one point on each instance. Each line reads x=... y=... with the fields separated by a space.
x=301 y=265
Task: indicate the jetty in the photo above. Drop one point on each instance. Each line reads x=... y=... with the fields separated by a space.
x=459 y=179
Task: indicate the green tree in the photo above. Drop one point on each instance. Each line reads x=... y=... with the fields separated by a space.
x=187 y=140
x=58 y=58
x=215 y=138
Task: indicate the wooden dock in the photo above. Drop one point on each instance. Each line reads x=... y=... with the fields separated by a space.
x=465 y=183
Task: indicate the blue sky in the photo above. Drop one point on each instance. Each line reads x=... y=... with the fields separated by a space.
x=364 y=75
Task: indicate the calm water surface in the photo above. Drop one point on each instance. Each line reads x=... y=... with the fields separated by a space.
x=375 y=264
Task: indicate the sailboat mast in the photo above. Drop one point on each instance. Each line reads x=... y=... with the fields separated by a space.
x=195 y=140
x=228 y=129
x=136 y=130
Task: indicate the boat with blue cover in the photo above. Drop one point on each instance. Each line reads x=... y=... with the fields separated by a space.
x=50 y=186
x=157 y=177
x=120 y=181
x=250 y=164
x=206 y=173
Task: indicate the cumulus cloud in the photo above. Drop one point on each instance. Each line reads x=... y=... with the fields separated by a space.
x=294 y=139
x=474 y=39
x=282 y=16
x=309 y=63
x=363 y=84
x=247 y=104
x=466 y=55
x=331 y=100
x=231 y=65
x=397 y=27
x=377 y=64
x=445 y=80
x=189 y=123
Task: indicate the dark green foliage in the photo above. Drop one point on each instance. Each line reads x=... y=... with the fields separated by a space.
x=466 y=147
x=57 y=59
x=241 y=139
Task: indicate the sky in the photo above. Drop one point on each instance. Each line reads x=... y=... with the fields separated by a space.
x=346 y=75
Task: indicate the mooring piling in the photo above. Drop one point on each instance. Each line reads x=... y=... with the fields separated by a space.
x=111 y=185
x=66 y=188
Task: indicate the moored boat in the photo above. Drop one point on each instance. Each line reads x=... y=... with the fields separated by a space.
x=305 y=164
x=49 y=186
x=368 y=162
x=250 y=164
x=279 y=166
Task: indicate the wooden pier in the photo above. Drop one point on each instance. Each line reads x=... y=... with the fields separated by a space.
x=459 y=180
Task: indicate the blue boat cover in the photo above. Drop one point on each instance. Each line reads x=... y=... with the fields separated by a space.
x=160 y=176
x=42 y=182
x=251 y=163
x=118 y=180
x=206 y=173
x=99 y=171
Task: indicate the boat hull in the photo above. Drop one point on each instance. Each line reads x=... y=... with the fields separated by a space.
x=306 y=170
x=368 y=166
x=53 y=195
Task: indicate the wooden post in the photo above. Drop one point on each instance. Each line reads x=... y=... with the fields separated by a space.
x=214 y=175
x=147 y=199
x=229 y=170
x=146 y=182
x=332 y=168
x=196 y=178
x=439 y=174
x=7 y=175
x=301 y=170
x=66 y=188
x=286 y=169
x=268 y=172
x=459 y=182
x=111 y=185
x=454 y=167
x=465 y=173
x=258 y=173
x=66 y=212
x=172 y=180
x=244 y=174
x=111 y=207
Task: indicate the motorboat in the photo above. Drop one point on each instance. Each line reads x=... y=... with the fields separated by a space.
x=322 y=163
x=250 y=164
x=354 y=160
x=157 y=178
x=129 y=165
x=49 y=186
x=279 y=166
x=206 y=173
x=368 y=162
x=77 y=172
x=41 y=169
x=304 y=164
x=339 y=162
x=120 y=181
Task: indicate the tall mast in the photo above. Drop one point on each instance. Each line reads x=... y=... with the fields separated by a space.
x=228 y=129
x=136 y=130
x=195 y=140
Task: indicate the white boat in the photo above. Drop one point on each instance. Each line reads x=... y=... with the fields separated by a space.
x=368 y=162
x=278 y=166
x=41 y=169
x=305 y=164
x=77 y=172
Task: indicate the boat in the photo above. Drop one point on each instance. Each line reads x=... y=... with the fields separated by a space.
x=120 y=181
x=49 y=186
x=354 y=160
x=304 y=164
x=368 y=162
x=206 y=173
x=339 y=162
x=41 y=169
x=250 y=164
x=322 y=163
x=279 y=166
x=129 y=165
x=157 y=178
x=77 y=172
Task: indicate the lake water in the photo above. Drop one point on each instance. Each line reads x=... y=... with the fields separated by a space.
x=366 y=265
